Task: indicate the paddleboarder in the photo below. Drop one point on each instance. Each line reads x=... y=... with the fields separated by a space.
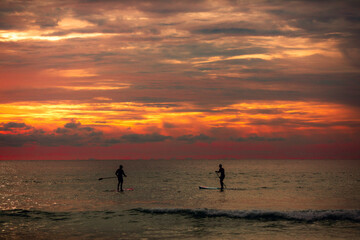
x=222 y=176
x=120 y=173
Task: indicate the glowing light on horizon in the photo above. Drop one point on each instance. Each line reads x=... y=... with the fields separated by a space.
x=138 y=117
x=6 y=36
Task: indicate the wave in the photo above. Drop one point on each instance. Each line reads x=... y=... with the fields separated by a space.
x=260 y=215
x=263 y=215
x=34 y=214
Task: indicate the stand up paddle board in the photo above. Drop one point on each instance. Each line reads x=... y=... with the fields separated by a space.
x=125 y=189
x=209 y=188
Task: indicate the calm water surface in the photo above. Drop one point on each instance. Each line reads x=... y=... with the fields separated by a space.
x=264 y=200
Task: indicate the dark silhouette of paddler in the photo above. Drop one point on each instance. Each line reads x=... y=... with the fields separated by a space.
x=222 y=176
x=120 y=173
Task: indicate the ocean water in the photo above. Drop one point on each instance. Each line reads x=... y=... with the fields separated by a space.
x=264 y=199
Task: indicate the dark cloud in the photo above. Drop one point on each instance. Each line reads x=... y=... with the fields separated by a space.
x=303 y=123
x=263 y=111
x=9 y=17
x=9 y=140
x=168 y=125
x=200 y=49
x=242 y=32
x=62 y=130
x=13 y=126
x=172 y=7
x=340 y=88
x=141 y=138
x=88 y=129
x=195 y=138
x=72 y=125
x=261 y=94
x=20 y=15
x=71 y=135
x=256 y=138
x=162 y=105
x=158 y=7
x=38 y=138
x=325 y=20
x=351 y=50
x=137 y=138
x=320 y=17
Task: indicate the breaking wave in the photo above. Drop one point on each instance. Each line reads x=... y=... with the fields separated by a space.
x=263 y=215
x=260 y=215
x=35 y=214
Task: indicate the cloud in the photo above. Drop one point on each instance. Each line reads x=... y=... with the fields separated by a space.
x=168 y=125
x=225 y=68
x=14 y=126
x=72 y=124
x=197 y=138
x=279 y=121
x=319 y=17
x=141 y=138
x=325 y=20
x=342 y=88
x=271 y=111
x=166 y=67
x=136 y=138
x=71 y=135
x=242 y=31
x=20 y=15
x=62 y=130
x=9 y=140
x=42 y=139
x=204 y=49
x=256 y=138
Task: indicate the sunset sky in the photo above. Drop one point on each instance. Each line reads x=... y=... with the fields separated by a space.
x=219 y=79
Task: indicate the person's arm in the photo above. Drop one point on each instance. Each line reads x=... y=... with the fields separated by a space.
x=124 y=174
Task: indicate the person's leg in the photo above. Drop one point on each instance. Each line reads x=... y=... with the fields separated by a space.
x=121 y=184
x=118 y=186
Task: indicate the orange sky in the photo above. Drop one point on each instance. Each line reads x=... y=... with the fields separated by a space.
x=179 y=79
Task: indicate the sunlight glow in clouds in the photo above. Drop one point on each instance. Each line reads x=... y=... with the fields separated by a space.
x=34 y=35
x=179 y=79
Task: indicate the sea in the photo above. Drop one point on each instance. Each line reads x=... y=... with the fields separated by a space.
x=262 y=199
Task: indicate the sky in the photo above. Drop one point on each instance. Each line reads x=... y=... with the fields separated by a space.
x=156 y=79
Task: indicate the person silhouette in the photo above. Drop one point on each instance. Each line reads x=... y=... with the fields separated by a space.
x=222 y=176
x=120 y=173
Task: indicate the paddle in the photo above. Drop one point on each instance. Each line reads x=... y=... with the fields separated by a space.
x=105 y=178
